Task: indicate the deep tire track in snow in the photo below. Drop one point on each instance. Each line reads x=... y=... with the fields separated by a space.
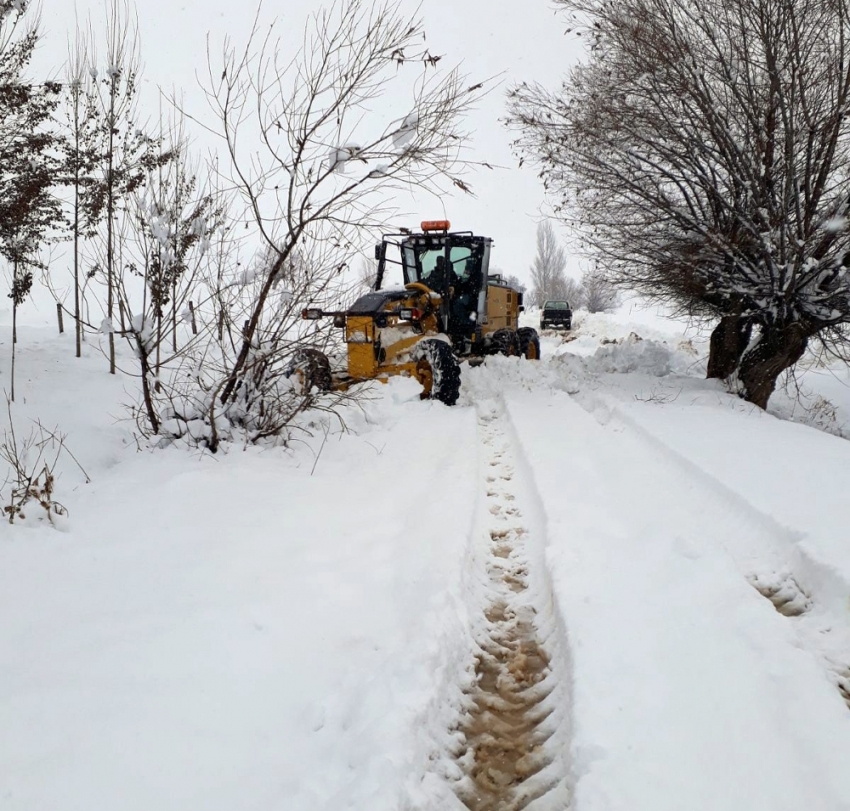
x=791 y=600
x=514 y=756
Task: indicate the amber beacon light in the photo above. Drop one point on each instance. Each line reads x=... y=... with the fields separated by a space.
x=436 y=225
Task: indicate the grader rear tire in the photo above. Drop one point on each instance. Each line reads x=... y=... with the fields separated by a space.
x=439 y=369
x=504 y=342
x=529 y=343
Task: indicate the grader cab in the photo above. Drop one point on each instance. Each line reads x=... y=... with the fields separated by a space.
x=447 y=307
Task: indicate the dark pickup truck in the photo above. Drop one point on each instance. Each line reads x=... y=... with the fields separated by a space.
x=556 y=314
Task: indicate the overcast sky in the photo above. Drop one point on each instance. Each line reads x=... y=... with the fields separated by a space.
x=520 y=40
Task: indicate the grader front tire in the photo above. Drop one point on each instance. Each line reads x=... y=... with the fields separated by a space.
x=438 y=370
x=311 y=369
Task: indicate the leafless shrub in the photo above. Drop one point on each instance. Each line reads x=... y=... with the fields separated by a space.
x=30 y=479
x=823 y=414
x=170 y=225
x=659 y=397
x=801 y=404
x=268 y=396
x=598 y=294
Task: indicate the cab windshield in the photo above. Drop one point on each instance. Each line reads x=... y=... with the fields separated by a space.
x=430 y=266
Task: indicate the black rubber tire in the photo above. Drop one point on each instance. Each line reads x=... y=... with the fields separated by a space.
x=311 y=368
x=445 y=370
x=529 y=343
x=543 y=325
x=504 y=342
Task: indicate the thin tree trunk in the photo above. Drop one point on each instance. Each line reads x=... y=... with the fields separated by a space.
x=147 y=395
x=78 y=327
x=174 y=314
x=110 y=296
x=250 y=329
x=110 y=209
x=158 y=349
x=14 y=341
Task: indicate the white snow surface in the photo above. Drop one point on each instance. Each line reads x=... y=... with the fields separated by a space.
x=295 y=627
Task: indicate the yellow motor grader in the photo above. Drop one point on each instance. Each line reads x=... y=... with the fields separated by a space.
x=449 y=307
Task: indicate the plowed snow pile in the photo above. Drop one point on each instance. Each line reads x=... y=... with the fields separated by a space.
x=600 y=582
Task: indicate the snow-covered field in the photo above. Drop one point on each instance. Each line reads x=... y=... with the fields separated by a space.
x=601 y=555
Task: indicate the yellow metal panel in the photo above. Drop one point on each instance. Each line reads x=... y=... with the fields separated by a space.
x=501 y=309
x=361 y=360
x=359 y=329
x=360 y=335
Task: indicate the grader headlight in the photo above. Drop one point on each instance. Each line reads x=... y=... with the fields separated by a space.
x=409 y=313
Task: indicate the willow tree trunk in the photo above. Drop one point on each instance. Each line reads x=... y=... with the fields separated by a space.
x=727 y=345
x=778 y=349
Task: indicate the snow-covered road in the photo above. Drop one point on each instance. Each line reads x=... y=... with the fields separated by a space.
x=690 y=689
x=553 y=595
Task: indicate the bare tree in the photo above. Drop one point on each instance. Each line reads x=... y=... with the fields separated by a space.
x=548 y=280
x=123 y=153
x=78 y=159
x=367 y=273
x=31 y=469
x=703 y=149
x=573 y=291
x=163 y=253
x=319 y=167
x=598 y=294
